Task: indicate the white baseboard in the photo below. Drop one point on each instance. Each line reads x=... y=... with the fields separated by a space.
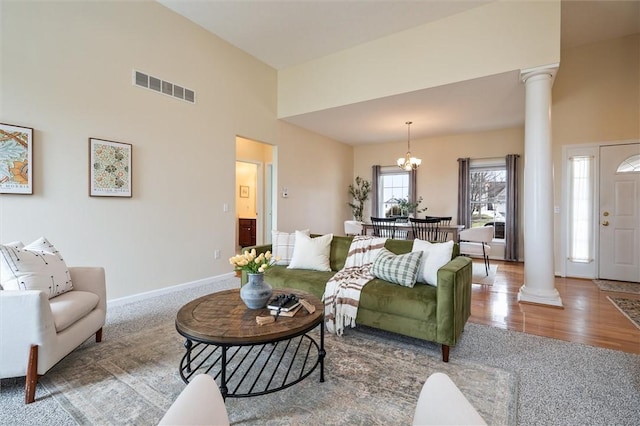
x=166 y=290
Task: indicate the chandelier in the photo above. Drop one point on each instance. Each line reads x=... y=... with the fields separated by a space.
x=408 y=162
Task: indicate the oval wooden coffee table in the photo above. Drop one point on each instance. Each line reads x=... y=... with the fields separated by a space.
x=247 y=359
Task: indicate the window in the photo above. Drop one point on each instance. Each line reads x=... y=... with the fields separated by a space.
x=488 y=194
x=630 y=165
x=393 y=185
x=581 y=187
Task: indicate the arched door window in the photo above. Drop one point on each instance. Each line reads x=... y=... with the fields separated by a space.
x=630 y=165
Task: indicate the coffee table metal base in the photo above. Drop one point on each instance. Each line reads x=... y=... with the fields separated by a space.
x=252 y=370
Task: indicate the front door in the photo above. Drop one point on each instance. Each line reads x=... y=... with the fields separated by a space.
x=619 y=216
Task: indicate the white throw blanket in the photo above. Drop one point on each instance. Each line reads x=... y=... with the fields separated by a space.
x=342 y=293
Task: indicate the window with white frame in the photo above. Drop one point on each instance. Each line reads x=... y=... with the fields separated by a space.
x=394 y=184
x=581 y=198
x=488 y=194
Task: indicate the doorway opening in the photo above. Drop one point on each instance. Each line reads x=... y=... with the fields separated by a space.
x=254 y=186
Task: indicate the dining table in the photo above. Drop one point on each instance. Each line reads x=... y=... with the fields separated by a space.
x=451 y=230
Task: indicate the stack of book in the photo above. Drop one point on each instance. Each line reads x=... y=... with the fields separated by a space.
x=287 y=306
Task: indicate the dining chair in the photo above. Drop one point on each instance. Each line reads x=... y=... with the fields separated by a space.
x=442 y=234
x=425 y=229
x=384 y=226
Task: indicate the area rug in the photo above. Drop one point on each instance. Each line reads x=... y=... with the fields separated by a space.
x=480 y=274
x=618 y=286
x=630 y=308
x=369 y=379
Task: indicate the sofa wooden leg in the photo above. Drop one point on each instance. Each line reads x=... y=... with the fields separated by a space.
x=445 y=353
x=32 y=375
x=99 y=335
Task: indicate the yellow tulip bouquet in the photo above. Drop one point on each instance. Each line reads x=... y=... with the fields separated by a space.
x=253 y=263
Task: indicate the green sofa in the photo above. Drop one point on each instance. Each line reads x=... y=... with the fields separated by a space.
x=437 y=314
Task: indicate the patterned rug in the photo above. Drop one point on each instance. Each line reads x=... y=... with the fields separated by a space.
x=480 y=274
x=630 y=308
x=369 y=379
x=618 y=286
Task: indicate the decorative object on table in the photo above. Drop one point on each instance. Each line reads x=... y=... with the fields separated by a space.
x=284 y=304
x=308 y=306
x=408 y=162
x=109 y=168
x=244 y=191
x=16 y=154
x=264 y=319
x=288 y=314
x=404 y=207
x=256 y=292
x=360 y=193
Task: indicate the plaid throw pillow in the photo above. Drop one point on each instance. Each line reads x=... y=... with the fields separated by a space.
x=399 y=269
x=282 y=244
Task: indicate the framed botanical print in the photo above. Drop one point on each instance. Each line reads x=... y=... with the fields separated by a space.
x=16 y=159
x=244 y=191
x=109 y=168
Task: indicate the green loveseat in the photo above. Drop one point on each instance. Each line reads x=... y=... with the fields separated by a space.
x=437 y=314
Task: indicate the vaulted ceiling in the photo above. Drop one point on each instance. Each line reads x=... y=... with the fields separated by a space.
x=287 y=33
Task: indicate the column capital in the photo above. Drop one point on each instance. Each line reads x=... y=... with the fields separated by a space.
x=550 y=70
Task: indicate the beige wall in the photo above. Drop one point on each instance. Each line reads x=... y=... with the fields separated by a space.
x=317 y=180
x=491 y=39
x=596 y=99
x=66 y=72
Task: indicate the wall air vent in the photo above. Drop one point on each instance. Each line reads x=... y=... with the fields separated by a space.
x=156 y=84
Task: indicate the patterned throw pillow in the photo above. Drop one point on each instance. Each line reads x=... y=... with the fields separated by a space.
x=282 y=244
x=397 y=268
x=37 y=266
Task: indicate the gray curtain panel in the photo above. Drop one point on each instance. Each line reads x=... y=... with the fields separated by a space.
x=374 y=190
x=464 y=213
x=512 y=223
x=413 y=186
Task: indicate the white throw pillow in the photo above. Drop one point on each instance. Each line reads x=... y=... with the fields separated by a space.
x=13 y=244
x=434 y=257
x=37 y=266
x=311 y=253
x=282 y=244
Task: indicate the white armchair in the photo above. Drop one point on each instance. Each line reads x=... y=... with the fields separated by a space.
x=441 y=403
x=352 y=227
x=476 y=242
x=200 y=403
x=37 y=332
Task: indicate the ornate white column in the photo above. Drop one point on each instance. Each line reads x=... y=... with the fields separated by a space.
x=539 y=281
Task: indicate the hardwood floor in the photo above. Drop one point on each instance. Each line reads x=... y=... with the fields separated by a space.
x=588 y=316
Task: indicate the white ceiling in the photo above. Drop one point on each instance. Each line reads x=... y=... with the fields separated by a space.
x=286 y=33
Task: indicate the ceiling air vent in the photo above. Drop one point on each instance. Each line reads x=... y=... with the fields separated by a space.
x=156 y=84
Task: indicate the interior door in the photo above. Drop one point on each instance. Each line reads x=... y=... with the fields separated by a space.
x=619 y=216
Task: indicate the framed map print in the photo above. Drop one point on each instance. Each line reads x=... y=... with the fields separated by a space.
x=109 y=168
x=16 y=159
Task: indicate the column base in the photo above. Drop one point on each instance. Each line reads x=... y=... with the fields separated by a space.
x=551 y=298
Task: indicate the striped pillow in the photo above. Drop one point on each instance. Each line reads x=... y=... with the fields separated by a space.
x=397 y=268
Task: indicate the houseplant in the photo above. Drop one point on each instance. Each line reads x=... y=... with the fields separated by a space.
x=360 y=193
x=404 y=207
x=256 y=293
